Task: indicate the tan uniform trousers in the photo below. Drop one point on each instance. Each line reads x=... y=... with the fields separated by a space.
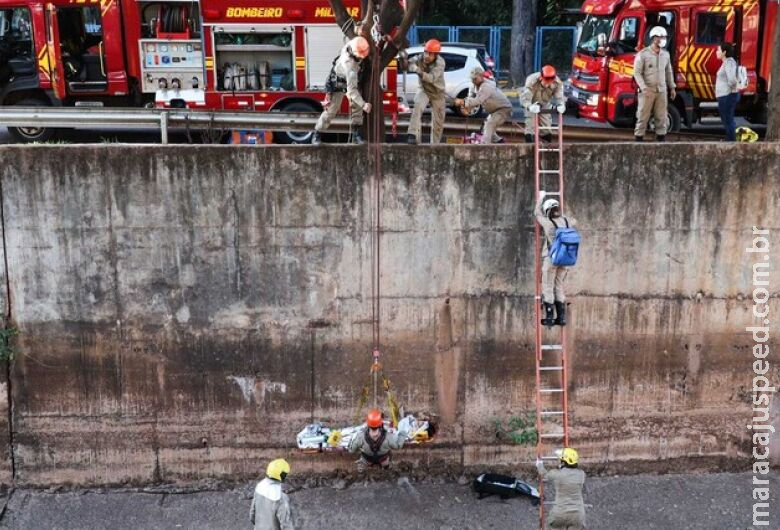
x=332 y=110
x=566 y=520
x=651 y=104
x=552 y=281
x=438 y=111
x=545 y=120
x=493 y=122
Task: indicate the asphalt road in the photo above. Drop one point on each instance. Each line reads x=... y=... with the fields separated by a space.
x=669 y=502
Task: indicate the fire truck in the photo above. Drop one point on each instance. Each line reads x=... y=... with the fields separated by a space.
x=602 y=85
x=253 y=55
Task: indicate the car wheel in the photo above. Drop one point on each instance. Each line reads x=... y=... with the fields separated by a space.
x=464 y=113
x=32 y=134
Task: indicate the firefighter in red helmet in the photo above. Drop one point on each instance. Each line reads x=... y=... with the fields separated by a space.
x=429 y=66
x=374 y=442
x=543 y=90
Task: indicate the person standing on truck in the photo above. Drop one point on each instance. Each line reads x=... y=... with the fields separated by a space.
x=492 y=100
x=548 y=215
x=569 y=509
x=543 y=90
x=270 y=505
x=429 y=66
x=374 y=442
x=343 y=80
x=653 y=75
x=726 y=89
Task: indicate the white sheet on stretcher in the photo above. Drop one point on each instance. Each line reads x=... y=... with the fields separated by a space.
x=315 y=435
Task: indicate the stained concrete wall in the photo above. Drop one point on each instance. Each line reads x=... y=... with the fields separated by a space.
x=185 y=311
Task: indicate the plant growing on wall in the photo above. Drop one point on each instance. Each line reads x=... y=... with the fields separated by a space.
x=7 y=352
x=519 y=429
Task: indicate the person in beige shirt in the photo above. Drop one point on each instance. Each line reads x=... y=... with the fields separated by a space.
x=542 y=90
x=568 y=511
x=429 y=66
x=653 y=74
x=492 y=100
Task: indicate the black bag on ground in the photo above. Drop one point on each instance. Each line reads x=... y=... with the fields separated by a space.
x=504 y=486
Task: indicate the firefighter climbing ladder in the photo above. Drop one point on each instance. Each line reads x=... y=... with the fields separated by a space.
x=552 y=398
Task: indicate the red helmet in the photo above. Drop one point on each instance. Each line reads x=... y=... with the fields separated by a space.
x=374 y=418
x=433 y=46
x=548 y=72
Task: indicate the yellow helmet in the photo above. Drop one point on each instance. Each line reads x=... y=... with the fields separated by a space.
x=278 y=469
x=570 y=456
x=746 y=134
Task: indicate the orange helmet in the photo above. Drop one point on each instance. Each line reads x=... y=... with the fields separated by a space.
x=548 y=72
x=374 y=418
x=433 y=46
x=360 y=47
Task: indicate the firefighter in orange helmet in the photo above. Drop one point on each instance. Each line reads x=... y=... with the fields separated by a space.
x=374 y=442
x=543 y=90
x=429 y=66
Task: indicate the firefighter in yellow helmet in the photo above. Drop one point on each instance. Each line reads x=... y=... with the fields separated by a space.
x=569 y=509
x=270 y=505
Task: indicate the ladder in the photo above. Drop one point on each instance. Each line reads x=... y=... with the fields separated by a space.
x=552 y=394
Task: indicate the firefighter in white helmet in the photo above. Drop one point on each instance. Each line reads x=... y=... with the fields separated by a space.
x=429 y=66
x=653 y=74
x=569 y=481
x=492 y=100
x=343 y=80
x=548 y=215
x=543 y=90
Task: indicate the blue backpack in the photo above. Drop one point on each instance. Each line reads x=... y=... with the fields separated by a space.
x=563 y=251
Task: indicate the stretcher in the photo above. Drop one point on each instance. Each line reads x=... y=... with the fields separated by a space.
x=317 y=437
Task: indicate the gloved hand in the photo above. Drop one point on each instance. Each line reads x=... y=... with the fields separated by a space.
x=412 y=67
x=542 y=194
x=538 y=461
x=534 y=108
x=367 y=108
x=562 y=108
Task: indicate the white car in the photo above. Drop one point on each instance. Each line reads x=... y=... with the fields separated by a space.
x=458 y=65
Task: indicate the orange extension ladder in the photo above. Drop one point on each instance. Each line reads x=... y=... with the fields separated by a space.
x=552 y=395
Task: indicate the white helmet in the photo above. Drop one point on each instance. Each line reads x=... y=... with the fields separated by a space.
x=658 y=31
x=548 y=205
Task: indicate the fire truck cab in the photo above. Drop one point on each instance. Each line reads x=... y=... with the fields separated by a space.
x=602 y=85
x=253 y=55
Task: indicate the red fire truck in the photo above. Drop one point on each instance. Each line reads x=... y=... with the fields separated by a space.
x=601 y=82
x=254 y=55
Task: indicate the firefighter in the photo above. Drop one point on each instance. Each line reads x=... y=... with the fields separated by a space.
x=653 y=74
x=569 y=481
x=374 y=442
x=270 y=505
x=343 y=79
x=548 y=215
x=493 y=101
x=543 y=90
x=430 y=68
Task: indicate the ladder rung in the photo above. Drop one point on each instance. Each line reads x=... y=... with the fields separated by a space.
x=551 y=368
x=552 y=435
x=549 y=171
x=556 y=193
x=552 y=347
x=550 y=390
x=550 y=128
x=553 y=457
x=551 y=412
x=548 y=150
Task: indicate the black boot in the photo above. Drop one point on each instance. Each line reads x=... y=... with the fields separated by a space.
x=316 y=139
x=639 y=138
x=560 y=310
x=548 y=315
x=357 y=138
x=660 y=138
x=529 y=138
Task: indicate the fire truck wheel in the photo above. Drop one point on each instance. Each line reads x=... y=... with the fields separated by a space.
x=673 y=119
x=295 y=137
x=32 y=134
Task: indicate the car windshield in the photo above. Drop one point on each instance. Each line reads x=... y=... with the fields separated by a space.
x=591 y=29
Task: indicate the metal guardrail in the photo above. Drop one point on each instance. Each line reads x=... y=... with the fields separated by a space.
x=165 y=119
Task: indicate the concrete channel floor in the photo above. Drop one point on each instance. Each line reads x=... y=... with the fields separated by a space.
x=687 y=502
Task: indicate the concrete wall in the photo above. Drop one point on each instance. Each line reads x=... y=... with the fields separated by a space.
x=185 y=311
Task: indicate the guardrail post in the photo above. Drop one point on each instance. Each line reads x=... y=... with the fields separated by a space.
x=164 y=127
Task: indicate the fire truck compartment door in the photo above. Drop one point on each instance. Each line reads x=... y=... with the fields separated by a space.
x=56 y=70
x=323 y=44
x=709 y=28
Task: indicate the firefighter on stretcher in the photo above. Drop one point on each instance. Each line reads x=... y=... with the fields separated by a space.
x=375 y=442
